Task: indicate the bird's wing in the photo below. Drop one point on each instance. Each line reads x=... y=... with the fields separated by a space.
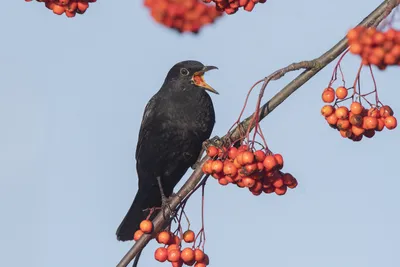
x=149 y=115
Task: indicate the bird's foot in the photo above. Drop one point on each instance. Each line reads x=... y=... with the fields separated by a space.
x=166 y=207
x=215 y=141
x=164 y=200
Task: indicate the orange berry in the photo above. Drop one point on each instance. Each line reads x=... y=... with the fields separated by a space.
x=58 y=10
x=279 y=160
x=332 y=119
x=146 y=226
x=212 y=151
x=328 y=95
x=386 y=111
x=173 y=247
x=137 y=235
x=356 y=120
x=239 y=158
x=70 y=14
x=353 y=34
x=248 y=182
x=82 y=6
x=343 y=124
x=217 y=166
x=357 y=131
x=200 y=264
x=342 y=113
x=243 y=148
x=378 y=38
x=218 y=175
x=278 y=182
x=389 y=59
x=287 y=178
x=390 y=34
x=163 y=237
x=229 y=169
x=247 y=158
x=356 y=108
x=174 y=255
x=250 y=168
x=379 y=53
x=369 y=123
x=381 y=124
x=72 y=6
x=161 y=254
x=356 y=48
x=270 y=163
x=390 y=122
x=345 y=133
x=198 y=255
x=294 y=184
x=341 y=92
x=396 y=50
x=229 y=179
x=236 y=163
x=223 y=181
x=240 y=183
x=206 y=259
x=373 y=112
x=187 y=255
x=281 y=190
x=207 y=167
x=178 y=263
x=188 y=236
x=259 y=155
x=327 y=110
x=232 y=152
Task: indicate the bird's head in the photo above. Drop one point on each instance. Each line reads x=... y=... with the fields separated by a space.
x=190 y=72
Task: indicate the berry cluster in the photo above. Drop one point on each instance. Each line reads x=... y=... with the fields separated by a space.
x=232 y=6
x=182 y=15
x=375 y=47
x=69 y=7
x=172 y=250
x=256 y=170
x=356 y=121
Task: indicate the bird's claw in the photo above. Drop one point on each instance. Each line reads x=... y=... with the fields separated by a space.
x=215 y=141
x=165 y=206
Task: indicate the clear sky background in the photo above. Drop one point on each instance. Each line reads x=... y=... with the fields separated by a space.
x=72 y=93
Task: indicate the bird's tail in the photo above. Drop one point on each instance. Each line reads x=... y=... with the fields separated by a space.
x=131 y=221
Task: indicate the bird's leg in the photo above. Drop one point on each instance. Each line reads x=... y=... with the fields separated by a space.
x=215 y=141
x=164 y=200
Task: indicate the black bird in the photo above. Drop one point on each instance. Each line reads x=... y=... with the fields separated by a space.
x=176 y=122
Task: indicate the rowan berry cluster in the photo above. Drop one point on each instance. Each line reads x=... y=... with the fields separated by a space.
x=375 y=47
x=69 y=7
x=173 y=251
x=256 y=170
x=182 y=15
x=355 y=121
x=232 y=6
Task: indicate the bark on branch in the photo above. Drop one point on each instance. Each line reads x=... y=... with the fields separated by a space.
x=311 y=67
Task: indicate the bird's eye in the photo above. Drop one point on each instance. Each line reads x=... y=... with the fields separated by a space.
x=184 y=72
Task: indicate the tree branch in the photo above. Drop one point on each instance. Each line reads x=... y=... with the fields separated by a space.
x=311 y=67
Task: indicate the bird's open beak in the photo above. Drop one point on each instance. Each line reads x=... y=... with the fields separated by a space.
x=198 y=79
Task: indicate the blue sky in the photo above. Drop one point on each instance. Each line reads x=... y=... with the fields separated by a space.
x=72 y=93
